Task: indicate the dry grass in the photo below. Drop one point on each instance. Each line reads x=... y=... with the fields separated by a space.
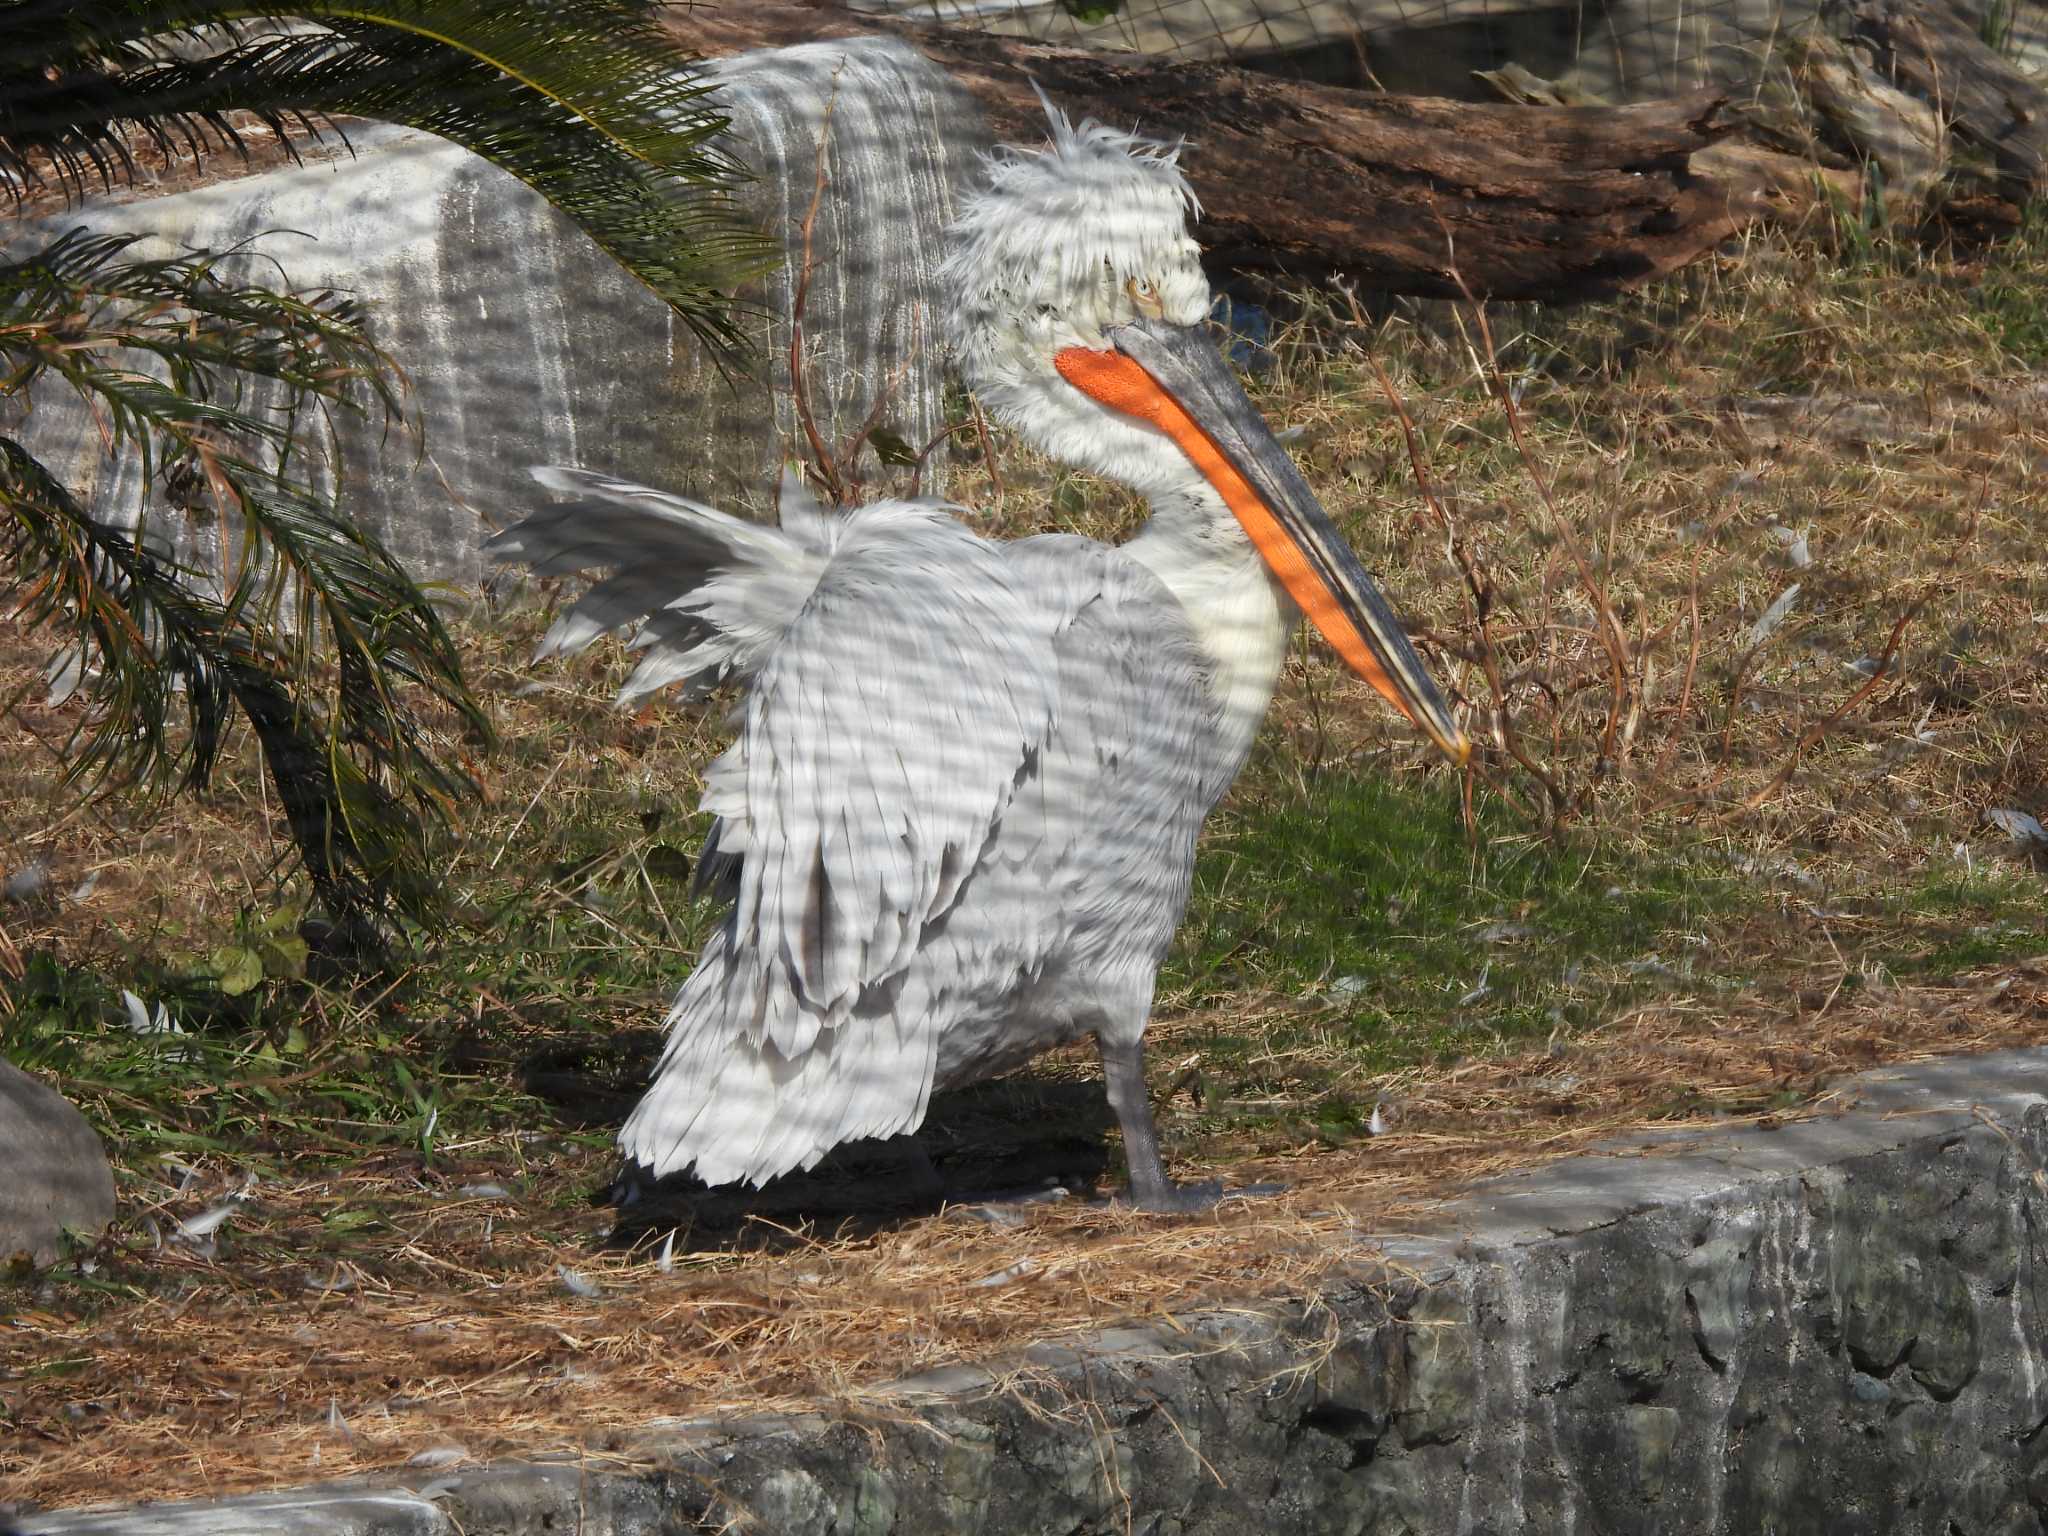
x=361 y=1308
x=456 y=1326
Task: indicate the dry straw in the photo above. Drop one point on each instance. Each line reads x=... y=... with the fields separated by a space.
x=1593 y=541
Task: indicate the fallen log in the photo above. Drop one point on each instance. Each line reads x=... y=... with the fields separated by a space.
x=1935 y=51
x=1889 y=127
x=1546 y=203
x=1781 y=186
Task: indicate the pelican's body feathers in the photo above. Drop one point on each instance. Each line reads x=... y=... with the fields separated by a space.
x=956 y=823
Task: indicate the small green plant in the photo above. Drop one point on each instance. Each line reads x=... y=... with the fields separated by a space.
x=2009 y=301
x=1865 y=236
x=1997 y=27
x=265 y=946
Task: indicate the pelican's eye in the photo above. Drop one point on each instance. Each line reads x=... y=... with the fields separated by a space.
x=1145 y=294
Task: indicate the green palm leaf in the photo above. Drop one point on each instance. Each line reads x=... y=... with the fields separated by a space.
x=314 y=628
x=588 y=102
x=334 y=741
x=311 y=632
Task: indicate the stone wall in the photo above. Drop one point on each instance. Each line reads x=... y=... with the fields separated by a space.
x=1832 y=1327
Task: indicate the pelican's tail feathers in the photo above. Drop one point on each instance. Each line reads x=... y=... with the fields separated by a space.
x=727 y=1104
x=709 y=594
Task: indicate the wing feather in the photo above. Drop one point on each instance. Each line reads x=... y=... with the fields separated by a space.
x=883 y=740
x=709 y=594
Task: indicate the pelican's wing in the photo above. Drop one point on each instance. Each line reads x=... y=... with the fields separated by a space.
x=881 y=744
x=1127 y=776
x=708 y=592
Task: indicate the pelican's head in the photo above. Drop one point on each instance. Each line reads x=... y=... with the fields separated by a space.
x=1060 y=245
x=1075 y=308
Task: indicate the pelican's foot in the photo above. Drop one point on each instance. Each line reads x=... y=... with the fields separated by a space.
x=1179 y=1199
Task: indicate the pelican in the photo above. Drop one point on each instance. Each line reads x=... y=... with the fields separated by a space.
x=957 y=825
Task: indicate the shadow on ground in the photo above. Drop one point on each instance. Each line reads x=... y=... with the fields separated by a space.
x=1023 y=1133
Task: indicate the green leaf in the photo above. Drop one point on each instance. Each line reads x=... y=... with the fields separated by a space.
x=890 y=448
x=199 y=380
x=592 y=103
x=237 y=970
x=284 y=959
x=281 y=923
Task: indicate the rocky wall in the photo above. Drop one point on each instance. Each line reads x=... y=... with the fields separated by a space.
x=523 y=343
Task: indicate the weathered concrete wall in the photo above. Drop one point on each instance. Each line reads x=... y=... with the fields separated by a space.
x=1832 y=1327
x=526 y=344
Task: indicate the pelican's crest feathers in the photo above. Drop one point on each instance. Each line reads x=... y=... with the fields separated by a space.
x=1052 y=227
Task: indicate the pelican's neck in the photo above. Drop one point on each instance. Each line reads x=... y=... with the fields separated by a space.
x=1240 y=613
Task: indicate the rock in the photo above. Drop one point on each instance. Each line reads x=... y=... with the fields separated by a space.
x=57 y=1174
x=1488 y=1370
x=1354 y=1389
x=1944 y=1355
x=1880 y=1290
x=1717 y=1274
x=524 y=343
x=1868 y=1389
x=355 y=1511
x=1436 y=1354
x=874 y=1505
x=791 y=1501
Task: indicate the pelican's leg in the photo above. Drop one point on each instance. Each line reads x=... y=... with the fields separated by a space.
x=1123 y=1066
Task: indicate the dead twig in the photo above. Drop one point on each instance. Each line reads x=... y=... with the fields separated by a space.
x=1478 y=601
x=822 y=457
x=988 y=452
x=1692 y=662
x=1612 y=637
x=1812 y=737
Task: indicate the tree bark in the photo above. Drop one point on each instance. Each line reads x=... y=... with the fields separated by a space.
x=1934 y=50
x=1526 y=202
x=1874 y=118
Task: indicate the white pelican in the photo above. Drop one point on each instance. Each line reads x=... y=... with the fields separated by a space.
x=959 y=820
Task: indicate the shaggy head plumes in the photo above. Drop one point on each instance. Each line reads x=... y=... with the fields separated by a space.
x=1060 y=242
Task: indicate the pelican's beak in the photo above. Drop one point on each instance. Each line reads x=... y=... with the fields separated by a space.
x=1175 y=378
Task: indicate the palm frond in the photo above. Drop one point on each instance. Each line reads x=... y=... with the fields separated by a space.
x=317 y=636
x=587 y=101
x=79 y=309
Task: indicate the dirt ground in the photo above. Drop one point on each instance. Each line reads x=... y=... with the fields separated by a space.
x=364 y=1223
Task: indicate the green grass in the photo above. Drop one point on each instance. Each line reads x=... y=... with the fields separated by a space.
x=2009 y=300
x=1407 y=941
x=253 y=1082
x=563 y=967
x=1966 y=921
